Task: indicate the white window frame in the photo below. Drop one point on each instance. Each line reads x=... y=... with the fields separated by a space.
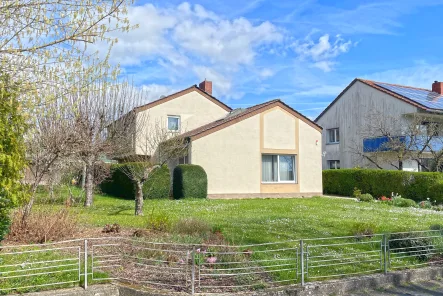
x=294 y=165
x=179 y=123
x=335 y=164
x=183 y=160
x=336 y=131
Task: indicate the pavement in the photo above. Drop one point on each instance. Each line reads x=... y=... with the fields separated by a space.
x=428 y=288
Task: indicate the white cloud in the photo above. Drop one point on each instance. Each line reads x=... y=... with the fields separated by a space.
x=189 y=38
x=266 y=73
x=325 y=66
x=323 y=52
x=222 y=85
x=233 y=42
x=187 y=31
x=156 y=91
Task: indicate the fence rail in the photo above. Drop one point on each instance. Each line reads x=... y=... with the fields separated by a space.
x=212 y=268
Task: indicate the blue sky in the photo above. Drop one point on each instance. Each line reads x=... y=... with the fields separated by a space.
x=303 y=52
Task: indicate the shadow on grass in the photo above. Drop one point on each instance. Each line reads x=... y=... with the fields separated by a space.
x=118 y=210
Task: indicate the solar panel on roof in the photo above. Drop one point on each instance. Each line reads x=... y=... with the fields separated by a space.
x=423 y=97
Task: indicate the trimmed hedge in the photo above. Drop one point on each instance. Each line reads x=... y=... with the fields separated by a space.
x=412 y=185
x=189 y=181
x=118 y=184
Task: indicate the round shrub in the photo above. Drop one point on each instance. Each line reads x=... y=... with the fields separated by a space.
x=366 y=197
x=118 y=184
x=189 y=181
x=403 y=202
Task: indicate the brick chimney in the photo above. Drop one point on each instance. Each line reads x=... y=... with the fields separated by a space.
x=437 y=87
x=206 y=86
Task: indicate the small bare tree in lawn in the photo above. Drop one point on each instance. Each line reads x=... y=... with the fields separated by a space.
x=408 y=137
x=155 y=146
x=104 y=124
x=47 y=144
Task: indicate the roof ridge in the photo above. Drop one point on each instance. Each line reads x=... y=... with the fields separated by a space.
x=252 y=109
x=177 y=94
x=393 y=84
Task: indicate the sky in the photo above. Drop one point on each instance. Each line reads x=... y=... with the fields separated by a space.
x=303 y=52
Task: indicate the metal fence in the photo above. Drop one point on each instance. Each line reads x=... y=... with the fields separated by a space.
x=212 y=268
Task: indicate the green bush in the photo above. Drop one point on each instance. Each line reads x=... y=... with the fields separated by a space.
x=366 y=197
x=189 y=181
x=4 y=220
x=413 y=244
x=118 y=184
x=411 y=185
x=403 y=202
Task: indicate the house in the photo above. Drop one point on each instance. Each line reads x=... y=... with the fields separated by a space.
x=262 y=151
x=368 y=118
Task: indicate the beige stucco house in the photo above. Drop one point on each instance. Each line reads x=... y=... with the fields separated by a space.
x=267 y=150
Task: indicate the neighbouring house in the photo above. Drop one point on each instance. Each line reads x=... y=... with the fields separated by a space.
x=381 y=125
x=262 y=151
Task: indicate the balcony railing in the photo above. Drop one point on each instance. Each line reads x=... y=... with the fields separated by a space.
x=416 y=143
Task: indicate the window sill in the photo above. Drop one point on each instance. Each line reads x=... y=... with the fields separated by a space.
x=333 y=143
x=287 y=182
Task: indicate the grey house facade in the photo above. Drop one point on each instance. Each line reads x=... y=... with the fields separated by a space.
x=345 y=120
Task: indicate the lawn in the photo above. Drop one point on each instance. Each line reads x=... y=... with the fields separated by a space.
x=252 y=221
x=258 y=221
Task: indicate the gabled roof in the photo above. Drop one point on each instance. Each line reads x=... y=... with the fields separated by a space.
x=181 y=93
x=235 y=117
x=424 y=99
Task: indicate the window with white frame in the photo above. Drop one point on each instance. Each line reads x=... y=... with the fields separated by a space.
x=334 y=164
x=333 y=136
x=183 y=160
x=278 y=168
x=173 y=123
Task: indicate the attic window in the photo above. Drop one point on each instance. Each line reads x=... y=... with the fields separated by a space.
x=173 y=123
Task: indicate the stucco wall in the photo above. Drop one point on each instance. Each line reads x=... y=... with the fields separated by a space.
x=310 y=149
x=231 y=157
x=349 y=114
x=279 y=130
x=194 y=110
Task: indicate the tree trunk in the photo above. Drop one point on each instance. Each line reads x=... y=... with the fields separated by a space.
x=28 y=207
x=84 y=177
x=138 y=198
x=89 y=185
x=400 y=165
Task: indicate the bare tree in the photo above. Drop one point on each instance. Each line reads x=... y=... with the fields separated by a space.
x=154 y=147
x=104 y=124
x=400 y=138
x=49 y=141
x=48 y=42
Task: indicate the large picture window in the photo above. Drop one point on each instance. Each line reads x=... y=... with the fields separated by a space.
x=278 y=168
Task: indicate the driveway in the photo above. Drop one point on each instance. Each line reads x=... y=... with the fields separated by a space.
x=429 y=288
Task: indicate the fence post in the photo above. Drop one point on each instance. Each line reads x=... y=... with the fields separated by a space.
x=385 y=253
x=302 y=263
x=193 y=271
x=86 y=264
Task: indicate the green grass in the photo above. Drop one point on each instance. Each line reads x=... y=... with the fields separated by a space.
x=256 y=221
x=252 y=221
